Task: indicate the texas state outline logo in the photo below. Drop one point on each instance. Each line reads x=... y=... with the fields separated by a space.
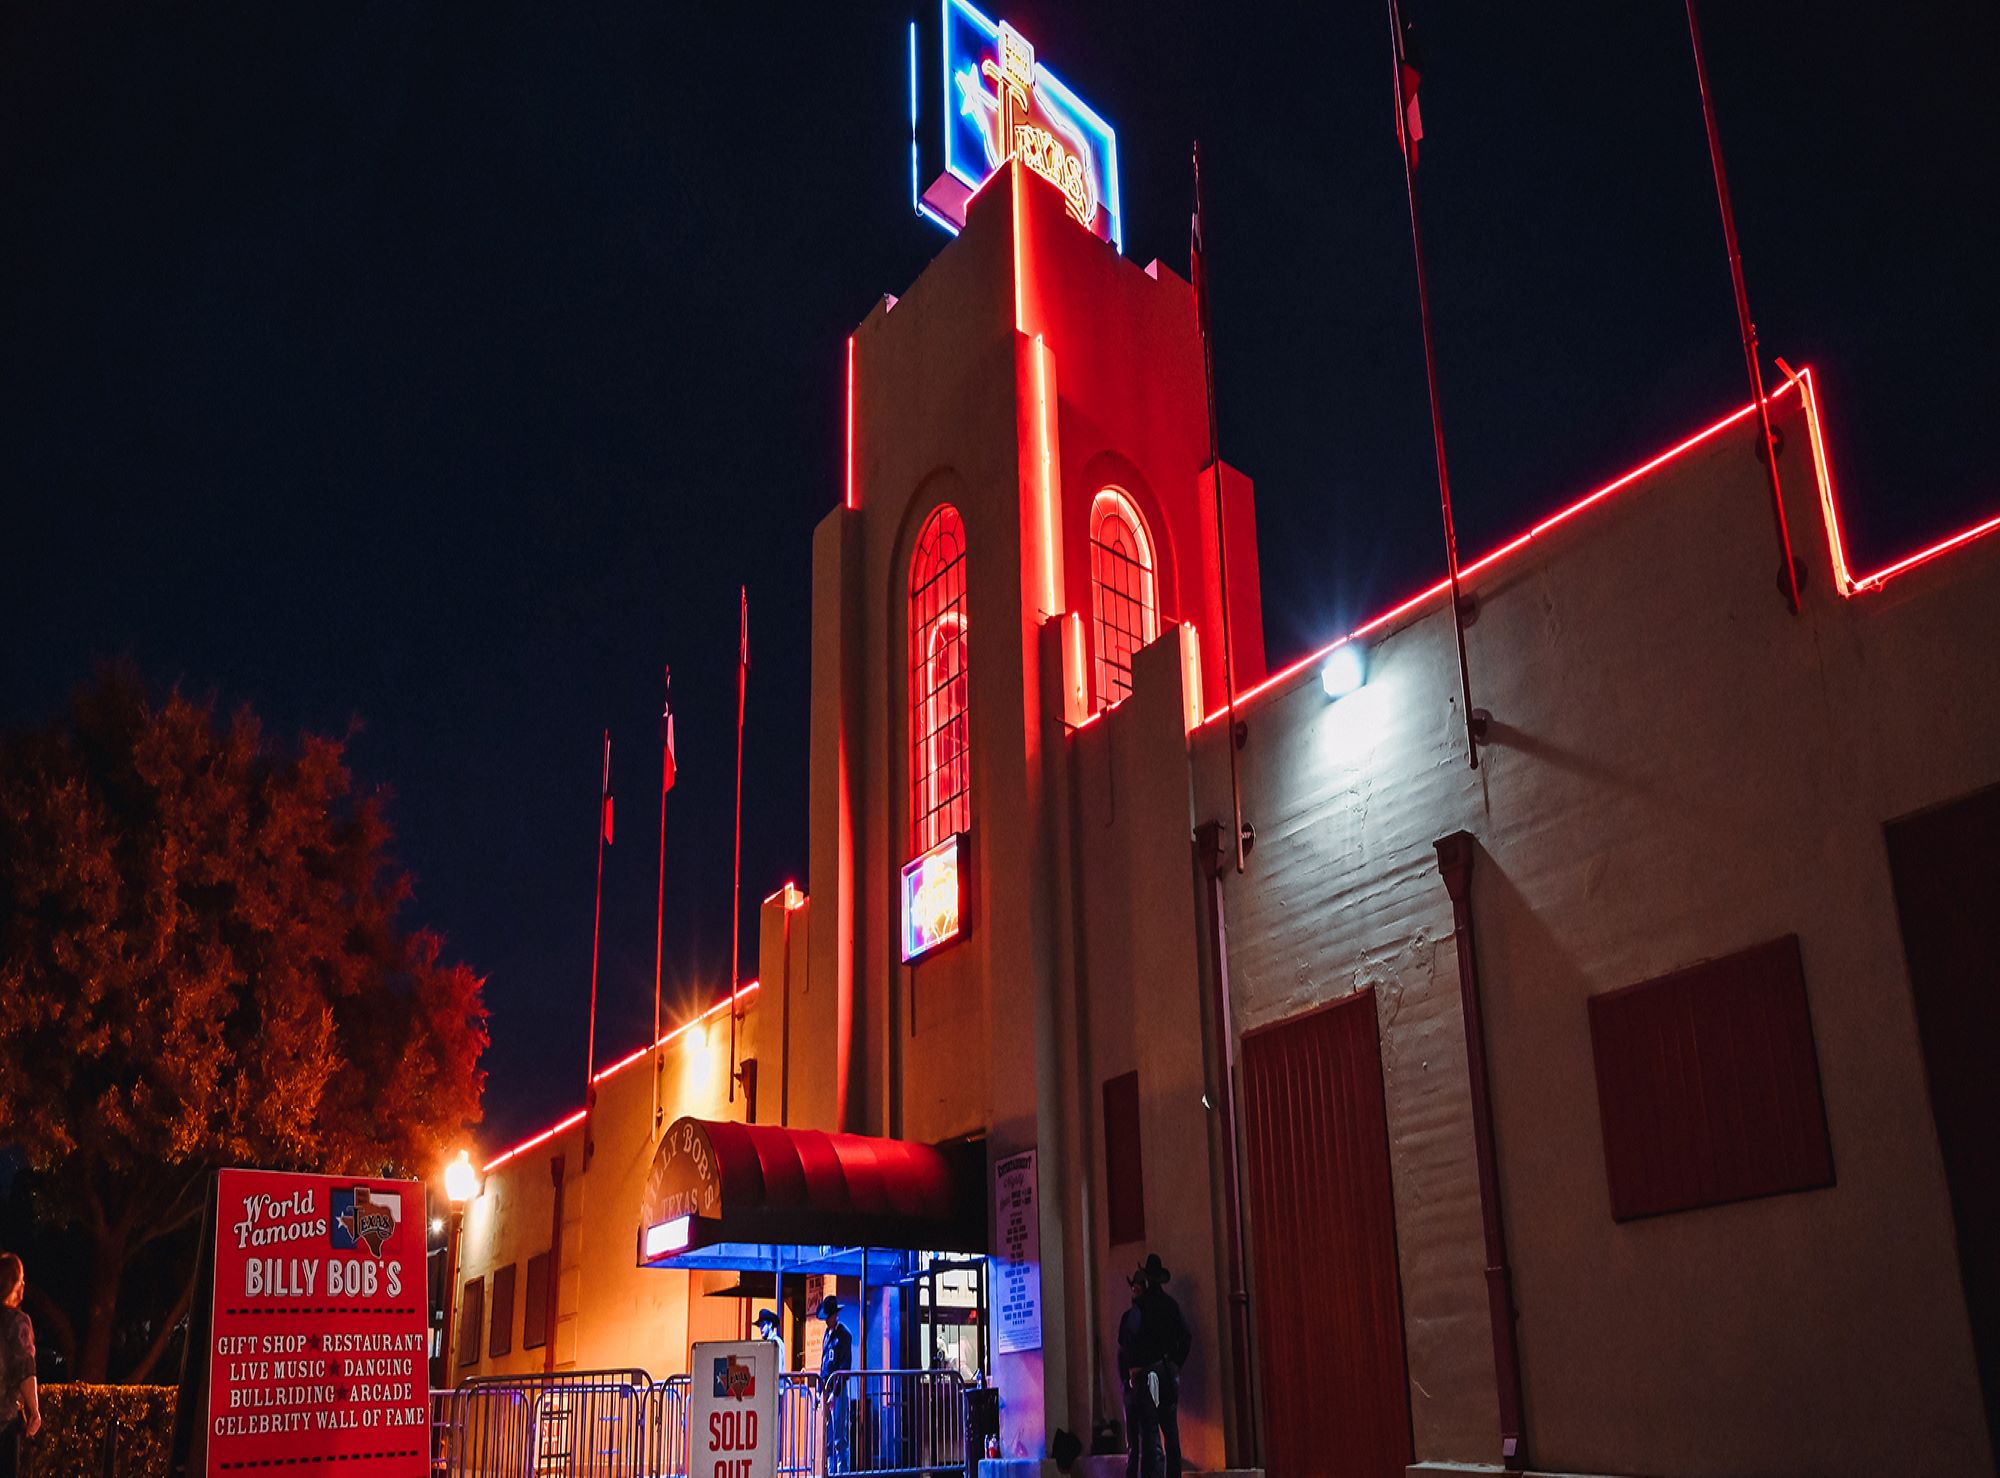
x=363 y=1219
x=734 y=1378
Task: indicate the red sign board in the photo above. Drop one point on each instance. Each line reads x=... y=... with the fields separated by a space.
x=317 y=1353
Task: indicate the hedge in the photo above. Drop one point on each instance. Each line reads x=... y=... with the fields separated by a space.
x=75 y=1419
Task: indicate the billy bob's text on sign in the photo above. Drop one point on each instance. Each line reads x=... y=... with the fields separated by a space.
x=318 y=1335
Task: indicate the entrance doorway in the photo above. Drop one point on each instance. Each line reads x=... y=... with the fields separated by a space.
x=1329 y=1308
x=948 y=1300
x=1943 y=863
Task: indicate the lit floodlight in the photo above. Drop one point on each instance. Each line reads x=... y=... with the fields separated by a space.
x=1345 y=671
x=664 y=1237
x=461 y=1181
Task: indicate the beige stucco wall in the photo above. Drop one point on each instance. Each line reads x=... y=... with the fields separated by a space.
x=613 y=1314
x=1679 y=768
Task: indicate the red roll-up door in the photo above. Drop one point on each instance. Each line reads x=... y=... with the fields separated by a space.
x=1329 y=1308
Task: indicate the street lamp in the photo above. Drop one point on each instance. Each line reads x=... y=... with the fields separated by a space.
x=461 y=1184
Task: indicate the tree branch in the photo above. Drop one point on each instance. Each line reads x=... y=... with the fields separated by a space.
x=169 y=1322
x=55 y=1320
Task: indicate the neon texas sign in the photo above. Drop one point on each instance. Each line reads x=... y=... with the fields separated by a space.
x=995 y=101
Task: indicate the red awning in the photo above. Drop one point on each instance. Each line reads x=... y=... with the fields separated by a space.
x=719 y=1182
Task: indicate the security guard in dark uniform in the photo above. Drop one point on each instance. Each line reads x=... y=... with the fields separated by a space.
x=1153 y=1344
x=836 y=1355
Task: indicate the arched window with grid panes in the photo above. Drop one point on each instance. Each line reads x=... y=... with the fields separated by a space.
x=1124 y=593
x=940 y=779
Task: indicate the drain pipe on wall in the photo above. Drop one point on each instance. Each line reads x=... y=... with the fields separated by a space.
x=1217 y=860
x=1455 y=854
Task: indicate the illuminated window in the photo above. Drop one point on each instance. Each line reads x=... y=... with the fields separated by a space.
x=1124 y=592
x=941 y=800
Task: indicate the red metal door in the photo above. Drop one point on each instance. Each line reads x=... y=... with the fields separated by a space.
x=1329 y=1307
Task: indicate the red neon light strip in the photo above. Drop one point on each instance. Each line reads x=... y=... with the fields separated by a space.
x=626 y=1061
x=1843 y=580
x=1484 y=561
x=1924 y=556
x=1048 y=480
x=850 y=421
x=543 y=1138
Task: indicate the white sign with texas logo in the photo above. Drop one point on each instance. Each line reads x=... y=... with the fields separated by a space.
x=733 y=1421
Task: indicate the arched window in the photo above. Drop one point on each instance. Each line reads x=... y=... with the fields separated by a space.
x=940 y=790
x=1124 y=592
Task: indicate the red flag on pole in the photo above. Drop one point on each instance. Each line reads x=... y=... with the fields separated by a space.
x=667 y=766
x=1409 y=72
x=607 y=789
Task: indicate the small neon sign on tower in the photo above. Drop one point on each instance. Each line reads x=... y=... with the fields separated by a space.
x=997 y=102
x=934 y=897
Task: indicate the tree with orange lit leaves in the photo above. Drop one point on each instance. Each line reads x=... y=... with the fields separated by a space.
x=202 y=963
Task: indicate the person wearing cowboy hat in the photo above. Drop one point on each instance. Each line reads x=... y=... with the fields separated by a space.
x=1153 y=1343
x=771 y=1327
x=836 y=1356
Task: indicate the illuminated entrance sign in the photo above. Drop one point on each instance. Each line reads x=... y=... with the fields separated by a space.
x=994 y=102
x=934 y=897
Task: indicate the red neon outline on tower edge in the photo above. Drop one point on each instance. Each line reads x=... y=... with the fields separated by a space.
x=851 y=421
x=1844 y=582
x=602 y=1073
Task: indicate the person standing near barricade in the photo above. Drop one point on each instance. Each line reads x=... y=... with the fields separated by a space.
x=836 y=1358
x=1153 y=1345
x=768 y=1327
x=20 y=1395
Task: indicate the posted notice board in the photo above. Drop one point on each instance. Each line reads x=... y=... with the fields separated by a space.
x=309 y=1347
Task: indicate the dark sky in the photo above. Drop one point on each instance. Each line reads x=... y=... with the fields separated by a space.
x=447 y=367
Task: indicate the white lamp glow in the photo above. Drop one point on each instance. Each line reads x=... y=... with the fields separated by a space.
x=461 y=1181
x=1345 y=671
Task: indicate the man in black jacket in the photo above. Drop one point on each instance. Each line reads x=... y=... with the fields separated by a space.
x=836 y=1358
x=1153 y=1343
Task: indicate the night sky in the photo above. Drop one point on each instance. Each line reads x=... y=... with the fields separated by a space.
x=445 y=368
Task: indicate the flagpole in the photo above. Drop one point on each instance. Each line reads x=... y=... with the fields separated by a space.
x=1403 y=134
x=1788 y=577
x=596 y=927
x=660 y=916
x=736 y=890
x=1199 y=271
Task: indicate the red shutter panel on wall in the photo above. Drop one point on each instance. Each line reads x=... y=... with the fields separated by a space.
x=1124 y=1165
x=500 y=1334
x=535 y=1303
x=1708 y=1086
x=471 y=1319
x=1328 y=1305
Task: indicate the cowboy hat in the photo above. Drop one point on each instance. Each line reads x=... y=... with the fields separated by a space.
x=829 y=1306
x=767 y=1316
x=1150 y=1272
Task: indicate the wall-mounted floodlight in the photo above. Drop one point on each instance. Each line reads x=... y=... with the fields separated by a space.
x=1345 y=671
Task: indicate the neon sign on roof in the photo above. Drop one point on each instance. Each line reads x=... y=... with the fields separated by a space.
x=997 y=102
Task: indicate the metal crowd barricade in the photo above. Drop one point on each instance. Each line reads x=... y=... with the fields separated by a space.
x=579 y=1424
x=624 y=1424
x=799 y=1424
x=895 y=1424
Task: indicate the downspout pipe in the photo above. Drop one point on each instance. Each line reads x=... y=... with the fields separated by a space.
x=1216 y=859
x=552 y=1286
x=1455 y=854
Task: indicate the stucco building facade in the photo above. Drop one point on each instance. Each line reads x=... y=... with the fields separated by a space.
x=1608 y=1106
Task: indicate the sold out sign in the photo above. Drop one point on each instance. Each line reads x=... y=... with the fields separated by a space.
x=733 y=1425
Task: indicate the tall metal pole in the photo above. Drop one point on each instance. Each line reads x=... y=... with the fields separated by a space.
x=736 y=890
x=596 y=927
x=1788 y=576
x=660 y=916
x=1431 y=380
